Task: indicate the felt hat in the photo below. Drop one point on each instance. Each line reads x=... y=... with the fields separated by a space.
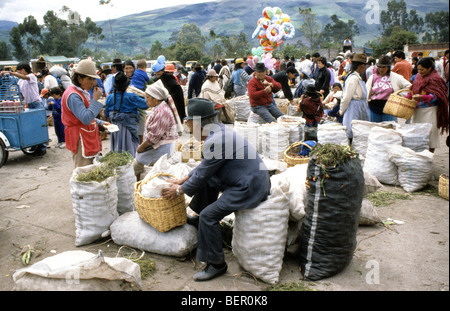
x=200 y=107
x=116 y=61
x=384 y=61
x=260 y=67
x=311 y=90
x=360 y=58
x=87 y=68
x=170 y=68
x=212 y=73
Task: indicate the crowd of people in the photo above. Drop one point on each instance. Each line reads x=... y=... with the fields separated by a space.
x=149 y=112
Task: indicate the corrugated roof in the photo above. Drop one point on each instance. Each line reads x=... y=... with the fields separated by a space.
x=57 y=59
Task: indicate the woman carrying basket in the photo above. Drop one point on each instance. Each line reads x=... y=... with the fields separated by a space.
x=380 y=86
x=430 y=93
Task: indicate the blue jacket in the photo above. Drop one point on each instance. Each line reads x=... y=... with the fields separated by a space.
x=130 y=103
x=234 y=165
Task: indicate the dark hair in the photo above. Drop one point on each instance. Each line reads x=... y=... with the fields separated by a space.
x=322 y=59
x=291 y=69
x=55 y=91
x=75 y=77
x=355 y=66
x=308 y=56
x=415 y=58
x=400 y=54
x=129 y=63
x=388 y=72
x=224 y=62
x=426 y=62
x=25 y=66
x=337 y=84
x=45 y=71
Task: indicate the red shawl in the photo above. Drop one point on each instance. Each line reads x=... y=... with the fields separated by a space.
x=434 y=84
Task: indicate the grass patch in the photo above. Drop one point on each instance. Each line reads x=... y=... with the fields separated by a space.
x=384 y=198
x=427 y=190
x=148 y=267
x=291 y=287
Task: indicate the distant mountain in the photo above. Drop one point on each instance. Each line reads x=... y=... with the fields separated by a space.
x=136 y=32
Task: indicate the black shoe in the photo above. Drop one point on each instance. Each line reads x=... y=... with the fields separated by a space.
x=210 y=273
x=193 y=221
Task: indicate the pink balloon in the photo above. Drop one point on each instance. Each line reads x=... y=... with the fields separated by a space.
x=255 y=59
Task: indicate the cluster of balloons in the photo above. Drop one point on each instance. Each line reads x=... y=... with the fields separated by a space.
x=273 y=28
x=258 y=55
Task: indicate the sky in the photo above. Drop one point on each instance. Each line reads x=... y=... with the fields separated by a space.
x=17 y=10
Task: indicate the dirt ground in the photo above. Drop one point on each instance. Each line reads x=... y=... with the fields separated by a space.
x=36 y=210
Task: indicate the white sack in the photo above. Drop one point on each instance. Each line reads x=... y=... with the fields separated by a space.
x=94 y=206
x=260 y=234
x=368 y=215
x=79 y=271
x=377 y=161
x=361 y=130
x=130 y=230
x=414 y=168
x=416 y=136
x=296 y=177
x=296 y=127
x=250 y=131
x=274 y=140
x=255 y=118
x=241 y=108
x=332 y=133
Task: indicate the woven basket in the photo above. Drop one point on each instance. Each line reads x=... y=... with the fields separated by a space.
x=291 y=161
x=399 y=106
x=443 y=186
x=191 y=154
x=160 y=213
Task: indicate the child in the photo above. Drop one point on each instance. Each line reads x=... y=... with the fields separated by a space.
x=56 y=93
x=140 y=76
x=333 y=102
x=311 y=106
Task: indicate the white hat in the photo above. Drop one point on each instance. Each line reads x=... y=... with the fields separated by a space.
x=157 y=90
x=87 y=68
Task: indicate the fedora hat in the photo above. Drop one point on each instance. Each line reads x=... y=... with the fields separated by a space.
x=360 y=58
x=260 y=67
x=200 y=107
x=170 y=68
x=87 y=68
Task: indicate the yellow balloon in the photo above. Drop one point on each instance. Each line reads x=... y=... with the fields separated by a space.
x=285 y=18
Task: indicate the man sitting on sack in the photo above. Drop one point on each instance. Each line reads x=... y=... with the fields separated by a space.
x=230 y=166
x=260 y=93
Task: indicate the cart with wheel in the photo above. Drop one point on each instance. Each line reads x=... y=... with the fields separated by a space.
x=20 y=128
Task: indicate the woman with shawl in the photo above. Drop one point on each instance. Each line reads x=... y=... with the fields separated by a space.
x=430 y=92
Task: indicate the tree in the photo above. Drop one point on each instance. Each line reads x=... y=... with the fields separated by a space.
x=436 y=24
x=310 y=27
x=15 y=39
x=156 y=50
x=397 y=15
x=190 y=34
x=398 y=38
x=4 y=51
x=235 y=46
x=338 y=30
x=94 y=31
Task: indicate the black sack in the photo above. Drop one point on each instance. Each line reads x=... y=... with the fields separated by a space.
x=327 y=238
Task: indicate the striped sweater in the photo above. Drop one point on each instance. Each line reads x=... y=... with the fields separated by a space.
x=161 y=126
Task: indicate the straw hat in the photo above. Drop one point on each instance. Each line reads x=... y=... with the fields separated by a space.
x=87 y=68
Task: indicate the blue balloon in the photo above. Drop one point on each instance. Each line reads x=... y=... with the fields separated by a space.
x=161 y=59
